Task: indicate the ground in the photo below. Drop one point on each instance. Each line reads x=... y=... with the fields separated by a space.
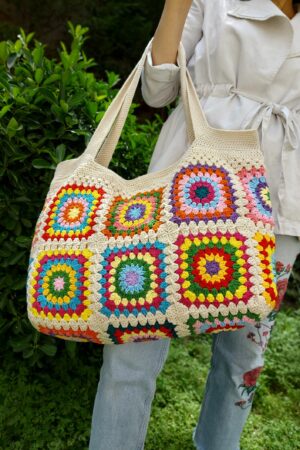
x=51 y=409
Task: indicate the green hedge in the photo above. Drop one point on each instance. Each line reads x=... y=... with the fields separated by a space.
x=48 y=111
x=119 y=29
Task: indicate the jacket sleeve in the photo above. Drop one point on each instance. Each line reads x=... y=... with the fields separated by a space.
x=160 y=83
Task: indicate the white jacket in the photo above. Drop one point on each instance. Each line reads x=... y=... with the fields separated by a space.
x=244 y=59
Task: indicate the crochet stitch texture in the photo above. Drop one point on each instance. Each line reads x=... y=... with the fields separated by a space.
x=179 y=252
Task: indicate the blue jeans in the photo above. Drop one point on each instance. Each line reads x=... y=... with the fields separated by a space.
x=128 y=375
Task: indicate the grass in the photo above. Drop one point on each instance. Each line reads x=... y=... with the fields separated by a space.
x=274 y=423
x=51 y=409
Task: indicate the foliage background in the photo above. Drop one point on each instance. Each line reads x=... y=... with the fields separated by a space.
x=51 y=98
x=119 y=30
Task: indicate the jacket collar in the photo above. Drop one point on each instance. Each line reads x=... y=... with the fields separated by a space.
x=255 y=9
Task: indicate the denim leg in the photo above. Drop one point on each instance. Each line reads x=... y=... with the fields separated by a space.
x=237 y=360
x=228 y=397
x=125 y=392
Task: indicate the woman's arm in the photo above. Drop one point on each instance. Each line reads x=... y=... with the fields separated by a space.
x=169 y=30
x=160 y=77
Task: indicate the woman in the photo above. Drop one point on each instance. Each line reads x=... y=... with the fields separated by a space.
x=244 y=58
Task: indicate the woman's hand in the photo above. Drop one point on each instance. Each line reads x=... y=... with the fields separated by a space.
x=169 y=30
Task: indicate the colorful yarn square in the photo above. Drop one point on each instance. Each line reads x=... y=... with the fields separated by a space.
x=133 y=280
x=124 y=335
x=202 y=193
x=202 y=326
x=257 y=194
x=59 y=285
x=87 y=335
x=266 y=248
x=132 y=215
x=213 y=269
x=72 y=212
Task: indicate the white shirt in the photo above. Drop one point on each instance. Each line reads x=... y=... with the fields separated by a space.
x=244 y=59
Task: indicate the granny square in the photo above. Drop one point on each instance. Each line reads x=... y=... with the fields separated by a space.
x=72 y=212
x=266 y=253
x=132 y=215
x=257 y=194
x=202 y=193
x=140 y=333
x=59 y=285
x=86 y=335
x=216 y=325
x=213 y=269
x=133 y=280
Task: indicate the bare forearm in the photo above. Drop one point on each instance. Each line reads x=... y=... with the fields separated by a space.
x=169 y=31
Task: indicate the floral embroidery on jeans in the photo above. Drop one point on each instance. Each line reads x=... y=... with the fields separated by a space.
x=261 y=333
x=248 y=387
x=282 y=277
x=263 y=330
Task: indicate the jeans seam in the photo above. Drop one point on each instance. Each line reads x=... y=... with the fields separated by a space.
x=160 y=359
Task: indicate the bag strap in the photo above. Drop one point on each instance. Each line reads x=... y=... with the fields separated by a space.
x=107 y=134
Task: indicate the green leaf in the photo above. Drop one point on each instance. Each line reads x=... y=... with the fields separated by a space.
x=52 y=79
x=47 y=94
x=12 y=127
x=23 y=241
x=92 y=108
x=76 y=99
x=101 y=97
x=3 y=52
x=27 y=223
x=74 y=56
x=4 y=325
x=15 y=258
x=99 y=116
x=48 y=349
x=29 y=37
x=28 y=352
x=25 y=39
x=19 y=284
x=57 y=112
x=71 y=347
x=37 y=55
x=20 y=345
x=11 y=60
x=16 y=91
x=38 y=75
x=65 y=59
x=64 y=106
x=18 y=45
x=60 y=152
x=4 y=110
x=42 y=164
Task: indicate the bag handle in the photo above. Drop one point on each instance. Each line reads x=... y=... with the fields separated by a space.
x=107 y=134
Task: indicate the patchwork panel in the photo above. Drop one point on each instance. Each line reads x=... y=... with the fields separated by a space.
x=132 y=215
x=72 y=212
x=202 y=192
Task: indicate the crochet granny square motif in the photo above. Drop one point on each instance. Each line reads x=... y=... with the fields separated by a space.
x=131 y=215
x=202 y=192
x=59 y=291
x=257 y=194
x=72 y=212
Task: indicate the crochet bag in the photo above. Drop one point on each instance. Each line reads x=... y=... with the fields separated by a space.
x=182 y=251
